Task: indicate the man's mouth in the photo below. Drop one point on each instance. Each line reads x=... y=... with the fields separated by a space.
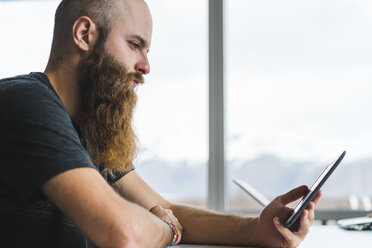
x=135 y=82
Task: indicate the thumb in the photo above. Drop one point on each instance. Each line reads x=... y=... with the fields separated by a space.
x=290 y=238
x=282 y=229
x=294 y=194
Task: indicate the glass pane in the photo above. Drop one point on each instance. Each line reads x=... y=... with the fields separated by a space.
x=26 y=35
x=171 y=117
x=299 y=92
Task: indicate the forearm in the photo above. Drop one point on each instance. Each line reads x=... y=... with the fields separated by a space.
x=102 y=215
x=150 y=230
x=208 y=227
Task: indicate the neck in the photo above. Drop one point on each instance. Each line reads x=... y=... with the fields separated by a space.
x=64 y=81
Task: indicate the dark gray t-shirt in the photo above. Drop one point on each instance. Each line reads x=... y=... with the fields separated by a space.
x=37 y=142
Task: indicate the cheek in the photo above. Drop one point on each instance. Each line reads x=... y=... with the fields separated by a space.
x=123 y=53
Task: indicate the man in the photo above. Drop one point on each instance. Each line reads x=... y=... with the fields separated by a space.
x=67 y=147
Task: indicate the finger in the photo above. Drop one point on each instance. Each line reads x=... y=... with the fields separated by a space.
x=175 y=221
x=304 y=224
x=178 y=224
x=293 y=195
x=170 y=215
x=311 y=216
x=169 y=212
x=317 y=198
x=289 y=237
x=155 y=209
x=311 y=206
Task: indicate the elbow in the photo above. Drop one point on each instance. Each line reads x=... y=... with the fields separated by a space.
x=129 y=242
x=121 y=242
x=124 y=238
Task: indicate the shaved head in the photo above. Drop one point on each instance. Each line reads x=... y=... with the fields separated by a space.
x=102 y=12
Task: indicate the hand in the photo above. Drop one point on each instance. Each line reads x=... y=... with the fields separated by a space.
x=166 y=214
x=270 y=231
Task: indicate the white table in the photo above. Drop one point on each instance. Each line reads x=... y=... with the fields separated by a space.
x=323 y=237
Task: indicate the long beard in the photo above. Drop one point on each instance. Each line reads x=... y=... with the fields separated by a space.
x=107 y=104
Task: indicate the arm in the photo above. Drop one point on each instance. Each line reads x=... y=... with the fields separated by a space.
x=208 y=227
x=101 y=214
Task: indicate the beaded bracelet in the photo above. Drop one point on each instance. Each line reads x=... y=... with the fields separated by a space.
x=176 y=233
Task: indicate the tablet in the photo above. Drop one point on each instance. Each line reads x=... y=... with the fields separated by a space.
x=301 y=205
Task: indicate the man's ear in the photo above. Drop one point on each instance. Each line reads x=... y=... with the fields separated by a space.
x=84 y=33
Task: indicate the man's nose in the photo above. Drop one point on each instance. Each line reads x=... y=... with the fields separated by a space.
x=143 y=66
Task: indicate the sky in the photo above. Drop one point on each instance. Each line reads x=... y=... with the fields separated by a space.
x=301 y=73
x=297 y=73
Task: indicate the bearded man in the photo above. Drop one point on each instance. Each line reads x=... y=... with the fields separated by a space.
x=67 y=148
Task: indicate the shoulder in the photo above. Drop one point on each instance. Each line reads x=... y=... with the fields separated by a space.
x=29 y=95
x=26 y=85
x=20 y=81
x=30 y=107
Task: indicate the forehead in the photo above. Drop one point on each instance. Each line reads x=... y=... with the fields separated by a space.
x=134 y=19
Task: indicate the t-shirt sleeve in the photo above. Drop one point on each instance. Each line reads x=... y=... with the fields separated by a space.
x=117 y=175
x=37 y=139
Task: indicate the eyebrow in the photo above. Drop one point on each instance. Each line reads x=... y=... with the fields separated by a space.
x=143 y=42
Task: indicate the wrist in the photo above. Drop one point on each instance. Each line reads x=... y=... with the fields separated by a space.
x=176 y=234
x=252 y=226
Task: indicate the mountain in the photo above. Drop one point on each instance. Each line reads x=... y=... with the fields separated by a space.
x=269 y=174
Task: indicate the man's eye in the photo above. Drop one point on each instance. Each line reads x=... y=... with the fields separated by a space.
x=134 y=45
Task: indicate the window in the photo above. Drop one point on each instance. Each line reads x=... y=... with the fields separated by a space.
x=25 y=38
x=172 y=115
x=298 y=94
